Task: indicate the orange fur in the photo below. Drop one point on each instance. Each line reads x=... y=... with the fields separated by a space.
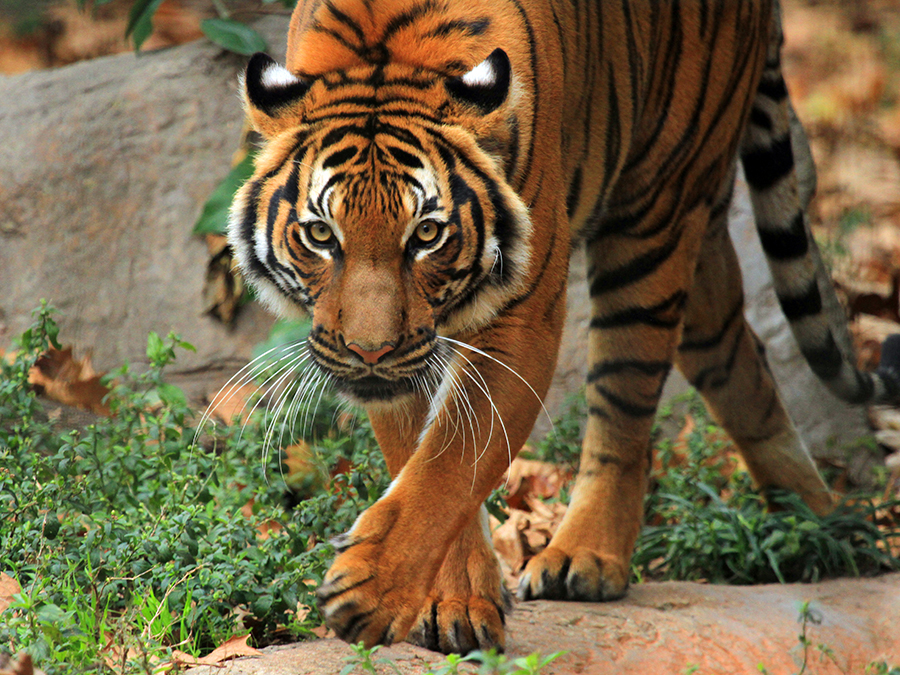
x=513 y=129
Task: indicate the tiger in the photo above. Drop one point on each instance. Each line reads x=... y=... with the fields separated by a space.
x=428 y=167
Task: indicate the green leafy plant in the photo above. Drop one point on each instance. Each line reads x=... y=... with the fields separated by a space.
x=224 y=30
x=214 y=216
x=562 y=444
x=806 y=648
x=128 y=526
x=492 y=663
x=362 y=660
x=747 y=536
x=708 y=523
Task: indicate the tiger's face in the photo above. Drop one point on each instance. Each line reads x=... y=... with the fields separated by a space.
x=380 y=207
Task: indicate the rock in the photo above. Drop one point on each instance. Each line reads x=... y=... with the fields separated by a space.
x=104 y=167
x=664 y=629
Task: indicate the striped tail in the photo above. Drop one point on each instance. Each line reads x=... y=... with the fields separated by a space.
x=779 y=170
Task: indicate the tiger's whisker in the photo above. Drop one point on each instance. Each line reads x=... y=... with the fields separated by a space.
x=243 y=376
x=279 y=402
x=487 y=394
x=498 y=361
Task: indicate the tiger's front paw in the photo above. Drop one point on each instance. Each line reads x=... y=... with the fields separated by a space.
x=467 y=606
x=376 y=585
x=580 y=574
x=457 y=625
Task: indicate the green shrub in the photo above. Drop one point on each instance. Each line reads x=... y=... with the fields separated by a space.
x=718 y=527
x=132 y=522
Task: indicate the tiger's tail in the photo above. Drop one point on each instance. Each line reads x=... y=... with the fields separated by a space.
x=780 y=172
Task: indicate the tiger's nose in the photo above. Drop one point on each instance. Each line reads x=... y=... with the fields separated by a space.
x=371 y=357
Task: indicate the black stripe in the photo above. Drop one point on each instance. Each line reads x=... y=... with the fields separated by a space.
x=400 y=134
x=605 y=458
x=636 y=269
x=766 y=166
x=717 y=376
x=628 y=407
x=664 y=314
x=536 y=104
x=714 y=340
x=337 y=134
x=249 y=215
x=760 y=118
x=807 y=303
x=476 y=27
x=347 y=21
x=291 y=187
x=574 y=192
x=825 y=361
x=405 y=158
x=406 y=18
x=781 y=244
x=337 y=37
x=339 y=157
x=615 y=367
x=773 y=87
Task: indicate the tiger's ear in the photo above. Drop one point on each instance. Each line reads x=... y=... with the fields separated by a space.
x=271 y=92
x=486 y=85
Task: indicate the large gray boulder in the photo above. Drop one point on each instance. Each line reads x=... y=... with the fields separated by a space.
x=104 y=167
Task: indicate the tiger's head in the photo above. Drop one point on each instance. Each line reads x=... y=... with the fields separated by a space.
x=381 y=206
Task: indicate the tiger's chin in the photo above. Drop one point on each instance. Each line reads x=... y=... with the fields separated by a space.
x=371 y=389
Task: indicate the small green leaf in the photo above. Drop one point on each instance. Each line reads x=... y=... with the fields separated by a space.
x=233 y=36
x=171 y=394
x=140 y=21
x=214 y=217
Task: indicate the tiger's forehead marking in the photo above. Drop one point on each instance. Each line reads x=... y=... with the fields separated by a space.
x=339 y=34
x=372 y=180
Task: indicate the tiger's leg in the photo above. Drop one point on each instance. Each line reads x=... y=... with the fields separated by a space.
x=388 y=561
x=725 y=361
x=637 y=298
x=467 y=604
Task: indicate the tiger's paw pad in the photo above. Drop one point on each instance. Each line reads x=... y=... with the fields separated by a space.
x=456 y=625
x=580 y=575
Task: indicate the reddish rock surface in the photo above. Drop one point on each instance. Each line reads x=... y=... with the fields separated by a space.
x=664 y=629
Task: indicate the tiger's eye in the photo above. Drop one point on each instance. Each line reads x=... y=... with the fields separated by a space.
x=319 y=232
x=427 y=231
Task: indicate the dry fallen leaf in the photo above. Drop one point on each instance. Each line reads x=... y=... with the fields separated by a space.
x=60 y=377
x=526 y=533
x=868 y=333
x=231 y=404
x=230 y=649
x=224 y=286
x=21 y=666
x=883 y=306
x=531 y=478
x=8 y=588
x=67 y=34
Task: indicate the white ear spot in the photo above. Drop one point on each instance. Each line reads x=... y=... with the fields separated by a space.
x=482 y=75
x=277 y=76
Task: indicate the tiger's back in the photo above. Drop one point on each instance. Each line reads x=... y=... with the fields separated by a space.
x=429 y=167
